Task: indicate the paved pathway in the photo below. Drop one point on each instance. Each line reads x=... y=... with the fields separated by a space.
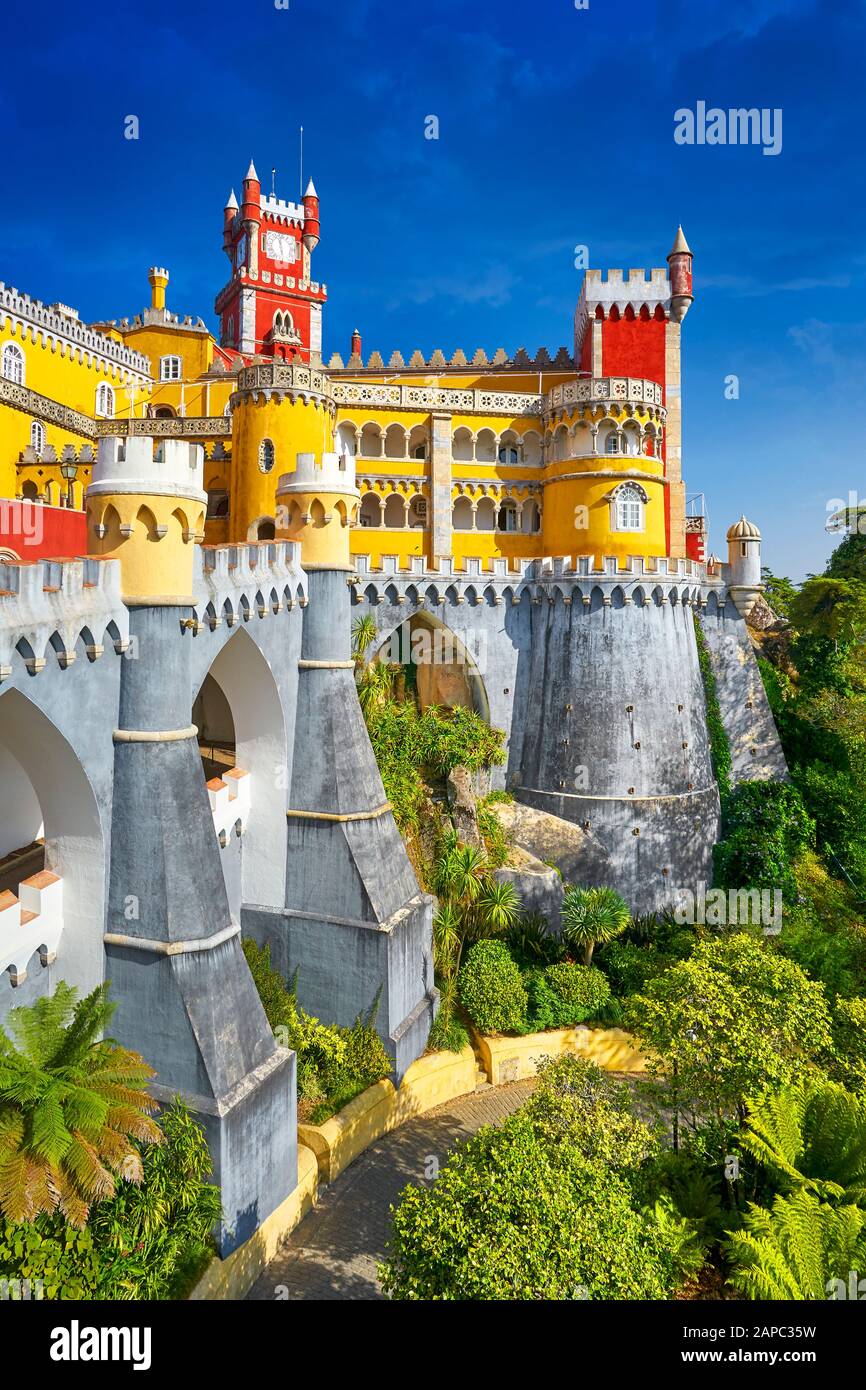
x=334 y=1252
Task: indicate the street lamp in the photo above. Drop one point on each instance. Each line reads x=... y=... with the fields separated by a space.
x=68 y=471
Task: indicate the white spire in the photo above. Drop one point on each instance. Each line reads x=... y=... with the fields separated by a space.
x=311 y=190
x=232 y=202
x=251 y=172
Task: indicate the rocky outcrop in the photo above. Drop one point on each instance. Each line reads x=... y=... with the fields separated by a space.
x=578 y=855
x=537 y=885
x=461 y=803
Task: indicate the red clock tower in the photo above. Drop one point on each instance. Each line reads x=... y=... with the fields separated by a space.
x=271 y=306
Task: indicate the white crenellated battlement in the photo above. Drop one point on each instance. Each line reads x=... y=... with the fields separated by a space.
x=230 y=798
x=53 y=609
x=325 y=473
x=613 y=289
x=59 y=329
x=239 y=583
x=142 y=464
x=29 y=922
x=641 y=579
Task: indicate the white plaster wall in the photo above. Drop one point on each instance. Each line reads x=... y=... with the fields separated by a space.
x=20 y=815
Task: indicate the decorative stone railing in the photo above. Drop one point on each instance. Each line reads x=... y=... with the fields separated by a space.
x=445 y=398
x=30 y=922
x=586 y=390
x=230 y=801
x=284 y=376
x=43 y=408
x=185 y=427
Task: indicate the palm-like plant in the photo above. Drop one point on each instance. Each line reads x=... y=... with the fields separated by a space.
x=592 y=916
x=472 y=905
x=363 y=633
x=812 y=1135
x=794 y=1251
x=70 y=1108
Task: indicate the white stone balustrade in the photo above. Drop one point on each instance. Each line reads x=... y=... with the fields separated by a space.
x=30 y=922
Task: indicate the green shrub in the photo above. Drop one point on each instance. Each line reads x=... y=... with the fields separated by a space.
x=149 y=1241
x=765 y=827
x=540 y=1208
x=59 y=1261
x=492 y=833
x=848 y=1063
x=153 y=1239
x=833 y=798
x=447 y=1033
x=531 y=941
x=563 y=995
x=334 y=1064
x=491 y=990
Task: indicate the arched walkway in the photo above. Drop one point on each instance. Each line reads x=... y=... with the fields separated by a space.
x=334 y=1252
x=44 y=788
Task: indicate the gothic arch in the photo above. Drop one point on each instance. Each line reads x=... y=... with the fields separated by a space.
x=38 y=767
x=247 y=684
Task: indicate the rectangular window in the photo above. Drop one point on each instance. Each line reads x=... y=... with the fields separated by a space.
x=169 y=368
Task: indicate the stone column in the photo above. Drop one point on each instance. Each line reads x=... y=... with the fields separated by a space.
x=440 y=486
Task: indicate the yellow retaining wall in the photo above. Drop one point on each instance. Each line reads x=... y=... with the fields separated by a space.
x=324 y=1151
x=233 y=1277
x=513 y=1059
x=429 y=1082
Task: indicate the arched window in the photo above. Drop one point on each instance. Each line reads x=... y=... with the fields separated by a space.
x=13 y=363
x=169 y=368
x=227 y=410
x=163 y=412
x=217 y=504
x=629 y=504
x=611 y=444
x=508 y=454
x=105 y=400
x=37 y=436
x=506 y=519
x=267 y=457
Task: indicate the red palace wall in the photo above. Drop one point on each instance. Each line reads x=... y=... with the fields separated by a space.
x=33 y=531
x=634 y=347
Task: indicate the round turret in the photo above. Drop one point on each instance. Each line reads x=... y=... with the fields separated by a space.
x=744 y=564
x=157 y=278
x=146 y=506
x=680 y=263
x=311 y=217
x=278 y=411
x=316 y=505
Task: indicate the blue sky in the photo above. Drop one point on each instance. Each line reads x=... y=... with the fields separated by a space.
x=555 y=130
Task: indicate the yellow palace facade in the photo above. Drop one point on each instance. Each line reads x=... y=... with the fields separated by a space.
x=573 y=454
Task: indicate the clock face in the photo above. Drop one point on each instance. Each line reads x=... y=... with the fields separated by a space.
x=281 y=247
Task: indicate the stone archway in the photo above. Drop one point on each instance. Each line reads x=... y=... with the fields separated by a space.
x=240 y=697
x=446 y=671
x=41 y=778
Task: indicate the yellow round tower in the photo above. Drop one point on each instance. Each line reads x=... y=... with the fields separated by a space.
x=278 y=411
x=146 y=507
x=316 y=505
x=604 y=483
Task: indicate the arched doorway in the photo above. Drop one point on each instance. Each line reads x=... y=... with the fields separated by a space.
x=239 y=715
x=50 y=823
x=440 y=668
